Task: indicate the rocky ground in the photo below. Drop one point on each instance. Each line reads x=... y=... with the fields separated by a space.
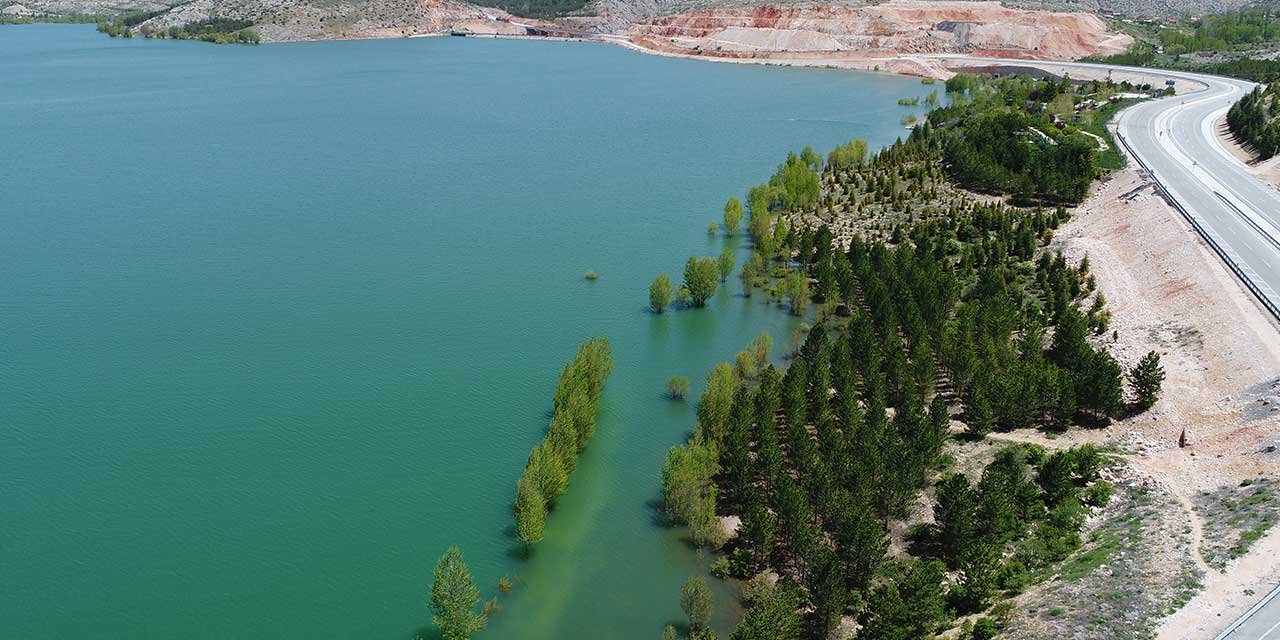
x=1221 y=353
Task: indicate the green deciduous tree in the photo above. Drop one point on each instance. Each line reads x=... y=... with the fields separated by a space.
x=546 y=473
x=677 y=387
x=688 y=493
x=760 y=346
x=695 y=601
x=660 y=293
x=531 y=512
x=796 y=289
x=454 y=598
x=716 y=403
x=847 y=156
x=701 y=278
x=724 y=264
x=732 y=215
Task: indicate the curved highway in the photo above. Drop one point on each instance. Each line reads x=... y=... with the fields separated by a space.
x=1173 y=139
x=1237 y=213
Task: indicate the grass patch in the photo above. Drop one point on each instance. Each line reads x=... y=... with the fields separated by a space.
x=1083 y=564
x=1237 y=517
x=1111 y=159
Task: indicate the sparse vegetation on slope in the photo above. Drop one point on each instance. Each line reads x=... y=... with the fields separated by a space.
x=1236 y=43
x=1236 y=517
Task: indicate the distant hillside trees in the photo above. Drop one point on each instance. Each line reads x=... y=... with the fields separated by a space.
x=539 y=8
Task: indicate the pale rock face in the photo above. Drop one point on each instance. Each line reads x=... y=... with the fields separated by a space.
x=896 y=27
x=288 y=20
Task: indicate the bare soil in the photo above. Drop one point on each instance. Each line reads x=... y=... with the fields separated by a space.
x=1268 y=170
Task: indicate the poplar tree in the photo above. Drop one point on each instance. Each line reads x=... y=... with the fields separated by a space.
x=695 y=601
x=660 y=293
x=531 y=512
x=725 y=264
x=454 y=598
x=732 y=215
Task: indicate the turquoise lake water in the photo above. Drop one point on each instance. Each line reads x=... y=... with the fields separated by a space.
x=278 y=324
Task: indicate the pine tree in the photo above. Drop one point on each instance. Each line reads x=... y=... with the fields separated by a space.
x=771 y=617
x=954 y=514
x=1146 y=378
x=977 y=414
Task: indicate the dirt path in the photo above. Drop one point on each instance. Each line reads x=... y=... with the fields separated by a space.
x=1220 y=351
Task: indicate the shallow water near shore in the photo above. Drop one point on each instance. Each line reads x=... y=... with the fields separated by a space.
x=278 y=324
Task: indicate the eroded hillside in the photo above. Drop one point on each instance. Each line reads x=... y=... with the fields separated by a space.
x=897 y=27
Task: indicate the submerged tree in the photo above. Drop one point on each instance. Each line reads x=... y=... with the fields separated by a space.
x=531 y=512
x=678 y=387
x=725 y=264
x=660 y=293
x=732 y=215
x=454 y=598
x=701 y=278
x=695 y=601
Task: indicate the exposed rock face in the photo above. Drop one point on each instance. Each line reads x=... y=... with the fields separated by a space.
x=286 y=20
x=897 y=27
x=78 y=7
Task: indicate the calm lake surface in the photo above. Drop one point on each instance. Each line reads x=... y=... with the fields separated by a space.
x=279 y=324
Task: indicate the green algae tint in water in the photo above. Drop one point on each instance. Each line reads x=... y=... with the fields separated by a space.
x=278 y=324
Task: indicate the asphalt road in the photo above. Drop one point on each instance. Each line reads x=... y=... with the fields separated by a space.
x=1173 y=138
x=1260 y=623
x=1238 y=213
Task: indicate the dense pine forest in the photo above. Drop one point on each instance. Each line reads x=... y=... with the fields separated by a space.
x=1254 y=121
x=941 y=316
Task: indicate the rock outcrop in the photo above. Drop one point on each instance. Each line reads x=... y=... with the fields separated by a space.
x=287 y=20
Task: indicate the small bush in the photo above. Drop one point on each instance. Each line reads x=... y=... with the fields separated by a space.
x=1013 y=577
x=984 y=629
x=720 y=568
x=591 y=275
x=1099 y=494
x=678 y=387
